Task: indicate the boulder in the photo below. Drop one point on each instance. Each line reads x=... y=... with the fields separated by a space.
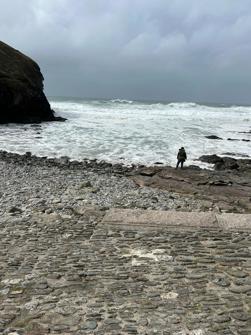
x=22 y=99
x=220 y=163
x=228 y=163
x=212 y=159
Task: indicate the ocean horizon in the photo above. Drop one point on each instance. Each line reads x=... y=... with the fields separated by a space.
x=148 y=101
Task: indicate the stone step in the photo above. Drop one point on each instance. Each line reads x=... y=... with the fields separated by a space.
x=234 y=221
x=162 y=219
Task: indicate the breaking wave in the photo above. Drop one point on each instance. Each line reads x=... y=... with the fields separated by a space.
x=128 y=131
x=122 y=101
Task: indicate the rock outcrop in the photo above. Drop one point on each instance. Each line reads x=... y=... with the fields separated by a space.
x=22 y=99
x=227 y=188
x=214 y=137
x=227 y=163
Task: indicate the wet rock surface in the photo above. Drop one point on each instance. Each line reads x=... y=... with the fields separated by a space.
x=228 y=163
x=227 y=188
x=214 y=137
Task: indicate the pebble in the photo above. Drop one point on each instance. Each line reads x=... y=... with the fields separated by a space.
x=91 y=325
x=44 y=188
x=64 y=270
x=240 y=289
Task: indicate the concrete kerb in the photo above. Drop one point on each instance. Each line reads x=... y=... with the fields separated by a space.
x=172 y=219
x=234 y=221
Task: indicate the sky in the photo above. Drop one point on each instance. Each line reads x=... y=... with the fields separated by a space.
x=173 y=50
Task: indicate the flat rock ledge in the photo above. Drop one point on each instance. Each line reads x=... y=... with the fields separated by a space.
x=95 y=274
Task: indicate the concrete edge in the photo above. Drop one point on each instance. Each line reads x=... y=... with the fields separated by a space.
x=173 y=219
x=234 y=221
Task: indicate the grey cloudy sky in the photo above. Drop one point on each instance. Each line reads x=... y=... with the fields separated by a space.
x=178 y=50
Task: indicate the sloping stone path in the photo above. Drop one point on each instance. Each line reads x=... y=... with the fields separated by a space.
x=128 y=272
x=164 y=219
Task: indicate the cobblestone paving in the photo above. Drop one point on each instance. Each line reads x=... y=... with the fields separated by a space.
x=81 y=276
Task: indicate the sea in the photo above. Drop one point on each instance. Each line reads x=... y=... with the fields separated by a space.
x=134 y=132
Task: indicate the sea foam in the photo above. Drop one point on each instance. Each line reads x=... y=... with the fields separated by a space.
x=133 y=132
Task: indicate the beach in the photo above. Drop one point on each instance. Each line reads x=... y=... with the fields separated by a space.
x=36 y=185
x=72 y=265
x=125 y=168
x=91 y=247
x=31 y=184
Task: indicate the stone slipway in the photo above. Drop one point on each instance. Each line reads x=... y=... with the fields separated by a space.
x=85 y=274
x=164 y=219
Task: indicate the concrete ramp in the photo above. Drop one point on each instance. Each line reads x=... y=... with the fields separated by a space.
x=162 y=219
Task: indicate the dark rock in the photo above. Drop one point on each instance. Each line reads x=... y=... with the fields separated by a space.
x=222 y=281
x=194 y=167
x=220 y=183
x=15 y=210
x=59 y=118
x=221 y=163
x=22 y=99
x=213 y=137
x=219 y=166
x=149 y=172
x=227 y=163
x=230 y=163
x=86 y=184
x=212 y=159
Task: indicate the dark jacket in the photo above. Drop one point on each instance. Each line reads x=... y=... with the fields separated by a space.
x=182 y=156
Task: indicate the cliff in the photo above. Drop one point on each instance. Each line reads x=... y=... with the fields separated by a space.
x=22 y=99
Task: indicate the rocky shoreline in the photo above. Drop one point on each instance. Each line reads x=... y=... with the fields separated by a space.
x=33 y=185
x=64 y=270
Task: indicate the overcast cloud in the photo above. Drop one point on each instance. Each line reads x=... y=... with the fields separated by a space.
x=178 y=50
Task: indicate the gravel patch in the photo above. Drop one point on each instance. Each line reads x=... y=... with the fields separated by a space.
x=27 y=188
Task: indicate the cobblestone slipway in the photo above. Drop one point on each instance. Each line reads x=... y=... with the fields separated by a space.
x=89 y=275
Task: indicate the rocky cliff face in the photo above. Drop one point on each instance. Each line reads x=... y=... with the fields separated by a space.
x=22 y=99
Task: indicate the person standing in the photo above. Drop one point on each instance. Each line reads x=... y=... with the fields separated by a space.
x=181 y=157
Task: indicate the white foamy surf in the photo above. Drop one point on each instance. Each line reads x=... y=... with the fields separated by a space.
x=133 y=132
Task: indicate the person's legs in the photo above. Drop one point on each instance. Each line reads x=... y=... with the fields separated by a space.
x=177 y=165
x=182 y=162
